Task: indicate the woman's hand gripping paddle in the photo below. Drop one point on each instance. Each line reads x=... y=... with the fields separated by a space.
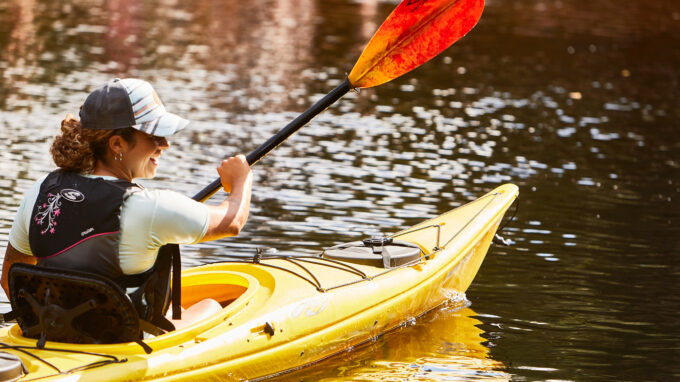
x=415 y=32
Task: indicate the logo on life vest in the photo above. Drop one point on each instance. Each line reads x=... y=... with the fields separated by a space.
x=72 y=195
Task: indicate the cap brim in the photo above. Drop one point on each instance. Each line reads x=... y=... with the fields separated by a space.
x=166 y=125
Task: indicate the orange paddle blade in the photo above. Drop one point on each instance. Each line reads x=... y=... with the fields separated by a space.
x=416 y=31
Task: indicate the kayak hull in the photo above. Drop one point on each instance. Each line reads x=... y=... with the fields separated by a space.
x=282 y=314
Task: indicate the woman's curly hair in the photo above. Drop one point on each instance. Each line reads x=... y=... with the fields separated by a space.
x=78 y=149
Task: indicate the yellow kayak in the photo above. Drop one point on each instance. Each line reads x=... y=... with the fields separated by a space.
x=283 y=313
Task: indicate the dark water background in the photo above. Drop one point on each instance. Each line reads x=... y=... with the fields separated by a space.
x=576 y=102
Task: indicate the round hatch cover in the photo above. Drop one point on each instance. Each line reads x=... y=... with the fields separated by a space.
x=11 y=367
x=374 y=252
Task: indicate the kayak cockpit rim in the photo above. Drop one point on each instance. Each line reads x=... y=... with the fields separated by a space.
x=235 y=289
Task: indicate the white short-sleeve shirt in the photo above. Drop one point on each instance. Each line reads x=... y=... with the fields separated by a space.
x=149 y=219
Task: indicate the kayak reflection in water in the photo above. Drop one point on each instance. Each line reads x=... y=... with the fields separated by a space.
x=89 y=216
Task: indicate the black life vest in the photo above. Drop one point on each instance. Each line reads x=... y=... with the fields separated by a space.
x=75 y=225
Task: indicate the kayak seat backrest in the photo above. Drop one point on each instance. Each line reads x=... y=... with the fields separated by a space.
x=379 y=252
x=68 y=306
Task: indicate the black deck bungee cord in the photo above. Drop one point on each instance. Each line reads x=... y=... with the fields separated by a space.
x=25 y=350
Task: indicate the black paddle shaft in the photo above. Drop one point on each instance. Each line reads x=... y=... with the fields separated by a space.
x=282 y=135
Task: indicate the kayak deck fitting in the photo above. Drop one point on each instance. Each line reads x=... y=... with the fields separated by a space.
x=281 y=313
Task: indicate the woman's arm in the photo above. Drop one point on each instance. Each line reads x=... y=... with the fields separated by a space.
x=229 y=217
x=13 y=256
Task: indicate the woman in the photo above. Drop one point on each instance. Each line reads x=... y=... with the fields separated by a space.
x=89 y=216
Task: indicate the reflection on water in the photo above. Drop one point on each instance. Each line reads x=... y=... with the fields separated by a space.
x=575 y=101
x=445 y=345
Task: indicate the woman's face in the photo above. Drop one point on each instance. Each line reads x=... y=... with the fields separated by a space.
x=143 y=157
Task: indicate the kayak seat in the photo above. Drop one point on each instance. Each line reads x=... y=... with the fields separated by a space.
x=383 y=252
x=69 y=306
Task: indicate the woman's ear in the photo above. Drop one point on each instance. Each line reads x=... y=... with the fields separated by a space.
x=118 y=145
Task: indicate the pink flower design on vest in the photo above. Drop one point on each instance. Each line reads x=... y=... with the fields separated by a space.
x=48 y=212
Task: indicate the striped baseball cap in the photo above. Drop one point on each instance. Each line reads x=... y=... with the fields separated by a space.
x=129 y=102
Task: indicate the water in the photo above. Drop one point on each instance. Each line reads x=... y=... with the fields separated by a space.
x=574 y=101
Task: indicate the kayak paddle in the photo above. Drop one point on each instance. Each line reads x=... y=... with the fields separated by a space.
x=415 y=32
